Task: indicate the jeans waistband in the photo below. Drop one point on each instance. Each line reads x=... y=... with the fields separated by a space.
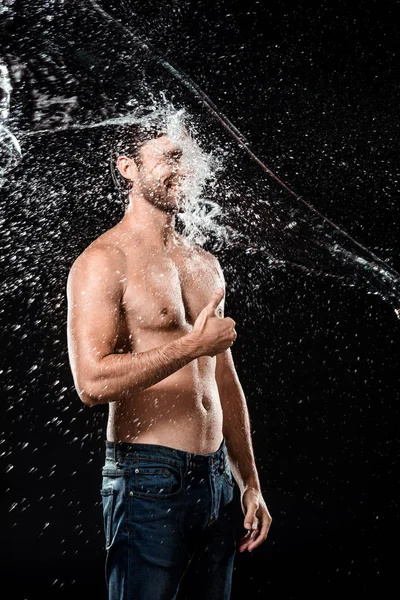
x=120 y=451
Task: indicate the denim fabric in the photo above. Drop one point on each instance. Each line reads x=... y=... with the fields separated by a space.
x=168 y=522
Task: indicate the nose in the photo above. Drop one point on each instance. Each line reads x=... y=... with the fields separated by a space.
x=185 y=172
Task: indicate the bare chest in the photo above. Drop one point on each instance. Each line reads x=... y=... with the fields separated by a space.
x=165 y=294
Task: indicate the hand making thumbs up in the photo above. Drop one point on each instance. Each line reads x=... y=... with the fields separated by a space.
x=214 y=334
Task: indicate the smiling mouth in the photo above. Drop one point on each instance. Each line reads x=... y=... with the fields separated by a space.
x=174 y=186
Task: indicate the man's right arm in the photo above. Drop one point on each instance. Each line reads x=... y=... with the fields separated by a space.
x=94 y=293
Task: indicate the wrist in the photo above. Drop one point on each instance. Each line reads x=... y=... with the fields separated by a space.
x=254 y=486
x=192 y=343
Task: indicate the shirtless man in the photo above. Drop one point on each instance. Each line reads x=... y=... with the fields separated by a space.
x=147 y=336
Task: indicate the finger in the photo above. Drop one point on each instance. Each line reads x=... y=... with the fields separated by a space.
x=255 y=541
x=261 y=535
x=248 y=537
x=245 y=543
x=216 y=298
x=250 y=518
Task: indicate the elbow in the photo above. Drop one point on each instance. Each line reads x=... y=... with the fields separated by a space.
x=89 y=386
x=87 y=396
x=96 y=392
x=87 y=391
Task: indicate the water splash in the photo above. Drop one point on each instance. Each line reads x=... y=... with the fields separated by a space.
x=10 y=150
x=260 y=214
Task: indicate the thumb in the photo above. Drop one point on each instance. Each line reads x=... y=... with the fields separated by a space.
x=249 y=519
x=216 y=298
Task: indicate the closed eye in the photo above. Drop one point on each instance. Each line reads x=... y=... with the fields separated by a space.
x=173 y=154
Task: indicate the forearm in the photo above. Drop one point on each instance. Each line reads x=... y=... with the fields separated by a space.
x=122 y=375
x=237 y=434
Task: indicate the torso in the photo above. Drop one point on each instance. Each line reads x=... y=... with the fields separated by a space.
x=164 y=292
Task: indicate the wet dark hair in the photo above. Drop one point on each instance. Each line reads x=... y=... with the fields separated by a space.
x=127 y=141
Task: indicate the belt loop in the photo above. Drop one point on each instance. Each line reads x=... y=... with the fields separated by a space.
x=115 y=451
x=222 y=461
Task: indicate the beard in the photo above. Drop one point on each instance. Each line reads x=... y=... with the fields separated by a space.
x=163 y=196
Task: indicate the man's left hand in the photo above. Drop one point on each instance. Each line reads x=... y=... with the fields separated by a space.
x=257 y=519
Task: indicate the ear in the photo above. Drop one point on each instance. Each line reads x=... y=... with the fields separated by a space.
x=127 y=167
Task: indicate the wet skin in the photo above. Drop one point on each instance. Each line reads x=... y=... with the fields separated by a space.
x=139 y=286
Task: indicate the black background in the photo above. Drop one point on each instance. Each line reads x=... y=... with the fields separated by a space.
x=314 y=88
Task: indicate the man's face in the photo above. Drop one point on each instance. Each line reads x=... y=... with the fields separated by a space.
x=160 y=173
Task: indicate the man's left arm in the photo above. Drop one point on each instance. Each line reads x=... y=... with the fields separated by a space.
x=237 y=435
x=236 y=423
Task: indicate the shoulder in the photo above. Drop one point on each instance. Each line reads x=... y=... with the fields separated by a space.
x=101 y=260
x=212 y=261
x=100 y=252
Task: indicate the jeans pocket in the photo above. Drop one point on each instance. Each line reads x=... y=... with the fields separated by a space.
x=113 y=489
x=227 y=475
x=108 y=502
x=156 y=480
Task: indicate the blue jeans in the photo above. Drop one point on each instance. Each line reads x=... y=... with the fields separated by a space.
x=168 y=522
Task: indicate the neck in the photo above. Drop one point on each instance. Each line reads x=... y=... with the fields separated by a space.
x=155 y=226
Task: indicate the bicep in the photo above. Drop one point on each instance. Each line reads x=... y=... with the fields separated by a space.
x=94 y=292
